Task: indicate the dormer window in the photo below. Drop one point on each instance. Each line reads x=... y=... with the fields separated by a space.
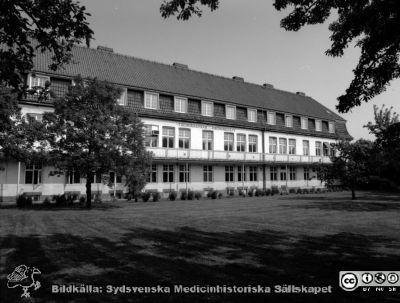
x=230 y=112
x=271 y=120
x=289 y=120
x=304 y=123
x=332 y=127
x=151 y=100
x=207 y=108
x=122 y=100
x=252 y=115
x=318 y=125
x=180 y=105
x=37 y=80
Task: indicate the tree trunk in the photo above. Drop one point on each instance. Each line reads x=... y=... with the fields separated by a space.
x=353 y=193
x=89 y=178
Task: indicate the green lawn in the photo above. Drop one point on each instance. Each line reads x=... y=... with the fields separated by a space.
x=295 y=239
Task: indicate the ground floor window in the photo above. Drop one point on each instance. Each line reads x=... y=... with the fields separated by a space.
x=207 y=173
x=184 y=173
x=152 y=176
x=73 y=177
x=241 y=173
x=306 y=173
x=274 y=174
x=283 y=173
x=292 y=173
x=253 y=173
x=228 y=173
x=168 y=173
x=33 y=173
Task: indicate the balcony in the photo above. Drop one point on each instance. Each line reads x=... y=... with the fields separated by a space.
x=225 y=156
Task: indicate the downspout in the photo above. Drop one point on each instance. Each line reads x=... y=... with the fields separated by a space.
x=18 y=176
x=263 y=160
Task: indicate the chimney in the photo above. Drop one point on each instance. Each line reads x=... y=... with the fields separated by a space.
x=267 y=85
x=238 y=78
x=301 y=94
x=180 y=65
x=105 y=49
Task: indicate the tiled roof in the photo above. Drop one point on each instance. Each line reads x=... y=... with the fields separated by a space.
x=133 y=72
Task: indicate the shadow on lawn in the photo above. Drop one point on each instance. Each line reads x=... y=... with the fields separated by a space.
x=190 y=257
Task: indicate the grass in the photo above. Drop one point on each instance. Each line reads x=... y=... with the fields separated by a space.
x=296 y=239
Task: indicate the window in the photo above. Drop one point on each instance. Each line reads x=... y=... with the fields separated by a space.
x=123 y=97
x=241 y=142
x=74 y=177
x=274 y=174
x=207 y=108
x=151 y=100
x=152 y=176
x=151 y=133
x=292 y=173
x=241 y=174
x=306 y=148
x=283 y=173
x=318 y=125
x=292 y=146
x=207 y=173
x=168 y=173
x=325 y=149
x=33 y=173
x=272 y=145
x=184 y=173
x=306 y=173
x=230 y=112
x=333 y=150
x=34 y=116
x=318 y=148
x=304 y=123
x=228 y=141
x=271 y=118
x=253 y=173
x=251 y=115
x=168 y=137
x=181 y=105
x=207 y=140
x=282 y=145
x=184 y=138
x=98 y=177
x=228 y=173
x=331 y=127
x=252 y=143
x=289 y=121
x=118 y=178
x=38 y=81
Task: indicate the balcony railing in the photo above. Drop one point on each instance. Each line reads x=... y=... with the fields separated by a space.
x=214 y=155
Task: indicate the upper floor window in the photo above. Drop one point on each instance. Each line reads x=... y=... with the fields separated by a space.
x=74 y=177
x=289 y=121
x=331 y=127
x=207 y=140
x=230 y=112
x=304 y=123
x=181 y=105
x=318 y=125
x=207 y=108
x=282 y=145
x=151 y=100
x=184 y=138
x=271 y=119
x=241 y=142
x=33 y=173
x=37 y=81
x=272 y=145
x=253 y=143
x=122 y=100
x=151 y=133
x=228 y=141
x=292 y=146
x=306 y=148
x=168 y=137
x=252 y=115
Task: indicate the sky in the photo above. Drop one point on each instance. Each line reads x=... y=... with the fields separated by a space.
x=241 y=38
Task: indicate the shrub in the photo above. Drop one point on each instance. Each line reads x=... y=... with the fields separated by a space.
x=46 y=202
x=292 y=190
x=82 y=200
x=209 y=194
x=299 y=191
x=242 y=193
x=172 y=196
x=220 y=196
x=250 y=193
x=305 y=191
x=259 y=192
x=318 y=190
x=97 y=198
x=190 y=195
x=24 y=201
x=197 y=195
x=214 y=195
x=146 y=196
x=156 y=196
x=231 y=193
x=312 y=190
x=61 y=200
x=274 y=190
x=184 y=195
x=267 y=192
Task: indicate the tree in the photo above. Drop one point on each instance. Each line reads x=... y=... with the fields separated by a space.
x=90 y=133
x=350 y=165
x=374 y=25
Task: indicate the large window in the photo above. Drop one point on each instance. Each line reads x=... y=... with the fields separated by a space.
x=230 y=112
x=318 y=148
x=283 y=173
x=282 y=146
x=289 y=121
x=228 y=141
x=228 y=173
x=184 y=138
x=123 y=97
x=253 y=173
x=168 y=137
x=74 y=177
x=274 y=173
x=271 y=118
x=207 y=173
x=207 y=108
x=252 y=143
x=184 y=173
x=151 y=100
x=325 y=149
x=151 y=135
x=292 y=146
x=304 y=123
x=331 y=127
x=33 y=173
x=241 y=142
x=38 y=81
x=292 y=173
x=318 y=125
x=241 y=174
x=181 y=105
x=152 y=176
x=306 y=148
x=272 y=145
x=168 y=173
x=207 y=140
x=117 y=178
x=306 y=173
x=252 y=115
